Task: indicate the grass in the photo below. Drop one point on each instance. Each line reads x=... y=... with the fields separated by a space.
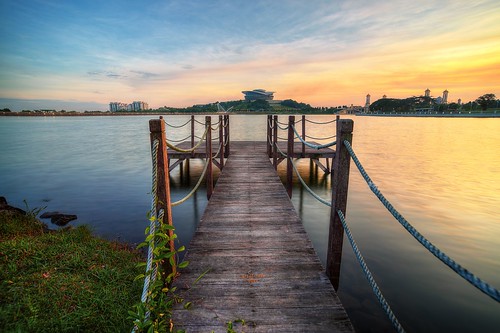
x=64 y=281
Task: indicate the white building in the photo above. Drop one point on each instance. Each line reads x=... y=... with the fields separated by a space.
x=134 y=106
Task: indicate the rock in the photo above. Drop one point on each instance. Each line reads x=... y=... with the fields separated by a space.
x=4 y=207
x=58 y=218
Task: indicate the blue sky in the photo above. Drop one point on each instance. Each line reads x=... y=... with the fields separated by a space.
x=180 y=53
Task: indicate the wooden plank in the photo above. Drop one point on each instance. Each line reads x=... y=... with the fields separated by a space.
x=261 y=265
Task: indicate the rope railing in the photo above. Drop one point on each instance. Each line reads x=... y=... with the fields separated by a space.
x=178 y=126
x=321 y=123
x=366 y=270
x=369 y=276
x=154 y=220
x=325 y=138
x=195 y=188
x=317 y=147
x=169 y=145
x=308 y=189
x=464 y=273
x=181 y=140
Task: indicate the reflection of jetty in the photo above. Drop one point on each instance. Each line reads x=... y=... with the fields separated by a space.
x=261 y=264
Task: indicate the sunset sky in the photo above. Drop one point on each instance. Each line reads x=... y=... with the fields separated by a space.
x=83 y=54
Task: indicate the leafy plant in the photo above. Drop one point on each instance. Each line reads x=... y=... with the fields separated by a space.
x=155 y=314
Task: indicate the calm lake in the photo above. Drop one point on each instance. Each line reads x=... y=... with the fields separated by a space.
x=442 y=174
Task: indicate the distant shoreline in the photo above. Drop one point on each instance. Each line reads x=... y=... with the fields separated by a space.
x=436 y=115
x=128 y=114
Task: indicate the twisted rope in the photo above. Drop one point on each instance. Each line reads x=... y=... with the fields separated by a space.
x=321 y=123
x=464 y=273
x=308 y=189
x=177 y=126
x=181 y=140
x=195 y=188
x=169 y=145
x=326 y=138
x=369 y=276
x=317 y=147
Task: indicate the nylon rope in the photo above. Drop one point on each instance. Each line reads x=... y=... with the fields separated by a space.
x=177 y=126
x=464 y=273
x=308 y=189
x=326 y=138
x=321 y=123
x=317 y=147
x=169 y=145
x=369 y=276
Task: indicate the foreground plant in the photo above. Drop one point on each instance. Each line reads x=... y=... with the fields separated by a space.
x=154 y=312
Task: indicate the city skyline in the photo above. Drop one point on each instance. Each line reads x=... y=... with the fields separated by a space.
x=184 y=53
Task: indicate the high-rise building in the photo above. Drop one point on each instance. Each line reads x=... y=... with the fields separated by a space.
x=134 y=106
x=117 y=106
x=367 y=103
x=445 y=97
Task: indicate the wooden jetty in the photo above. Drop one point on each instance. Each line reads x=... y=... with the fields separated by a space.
x=261 y=266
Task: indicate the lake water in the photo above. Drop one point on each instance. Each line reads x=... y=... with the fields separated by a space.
x=442 y=174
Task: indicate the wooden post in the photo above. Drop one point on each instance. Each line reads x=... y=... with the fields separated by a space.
x=303 y=135
x=226 y=136
x=192 y=134
x=289 y=167
x=157 y=132
x=221 y=141
x=275 y=142
x=340 y=182
x=210 y=179
x=269 y=135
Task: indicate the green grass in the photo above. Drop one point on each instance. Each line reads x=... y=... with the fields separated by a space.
x=64 y=281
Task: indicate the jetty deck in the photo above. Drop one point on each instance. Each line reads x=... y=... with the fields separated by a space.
x=261 y=266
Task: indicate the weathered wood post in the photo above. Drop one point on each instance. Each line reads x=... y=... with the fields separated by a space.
x=226 y=136
x=221 y=141
x=192 y=134
x=157 y=132
x=269 y=135
x=340 y=182
x=289 y=167
x=275 y=142
x=303 y=135
x=210 y=179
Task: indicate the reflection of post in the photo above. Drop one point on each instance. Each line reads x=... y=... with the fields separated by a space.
x=289 y=168
x=157 y=129
x=340 y=184
x=210 y=180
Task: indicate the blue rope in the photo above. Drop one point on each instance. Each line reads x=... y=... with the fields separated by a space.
x=369 y=276
x=464 y=273
x=318 y=147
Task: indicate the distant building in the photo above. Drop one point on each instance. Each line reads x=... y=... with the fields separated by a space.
x=427 y=93
x=134 y=106
x=139 y=106
x=367 y=103
x=117 y=106
x=445 y=97
x=252 y=95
